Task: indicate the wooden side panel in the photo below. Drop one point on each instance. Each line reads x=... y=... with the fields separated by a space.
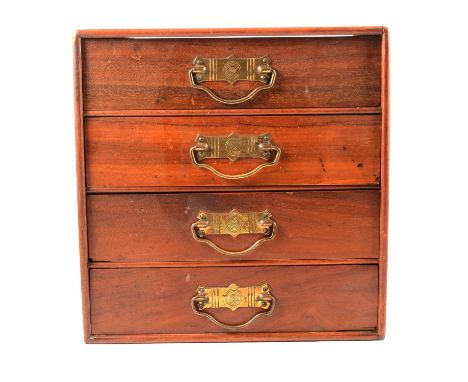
x=154 y=151
x=156 y=227
x=142 y=74
x=81 y=186
x=385 y=152
x=309 y=298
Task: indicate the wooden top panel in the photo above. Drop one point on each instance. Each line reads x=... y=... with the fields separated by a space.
x=152 y=73
x=111 y=33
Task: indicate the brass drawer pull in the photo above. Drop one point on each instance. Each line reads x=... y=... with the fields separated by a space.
x=233 y=297
x=233 y=223
x=234 y=147
x=231 y=70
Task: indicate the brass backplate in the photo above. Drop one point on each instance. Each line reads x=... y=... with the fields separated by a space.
x=233 y=297
x=233 y=146
x=233 y=223
x=232 y=69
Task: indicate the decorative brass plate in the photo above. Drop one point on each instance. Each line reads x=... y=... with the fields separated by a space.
x=231 y=70
x=233 y=223
x=234 y=147
x=233 y=297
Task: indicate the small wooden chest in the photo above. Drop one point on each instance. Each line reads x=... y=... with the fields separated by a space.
x=232 y=184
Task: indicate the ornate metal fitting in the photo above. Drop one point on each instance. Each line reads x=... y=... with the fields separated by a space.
x=233 y=297
x=232 y=69
x=233 y=146
x=233 y=223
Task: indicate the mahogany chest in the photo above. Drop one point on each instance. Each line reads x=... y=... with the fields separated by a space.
x=232 y=184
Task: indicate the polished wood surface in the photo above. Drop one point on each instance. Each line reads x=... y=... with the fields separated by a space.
x=154 y=151
x=156 y=227
x=153 y=300
x=81 y=188
x=132 y=109
x=237 y=111
x=233 y=188
x=153 y=73
x=229 y=32
x=385 y=160
x=353 y=335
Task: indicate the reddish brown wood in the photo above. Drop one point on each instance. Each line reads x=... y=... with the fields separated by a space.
x=156 y=227
x=81 y=190
x=385 y=141
x=237 y=263
x=234 y=32
x=121 y=74
x=205 y=112
x=343 y=96
x=316 y=298
x=355 y=335
x=250 y=188
x=322 y=149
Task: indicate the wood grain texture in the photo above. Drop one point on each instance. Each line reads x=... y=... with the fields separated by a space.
x=249 y=188
x=347 y=78
x=81 y=186
x=156 y=227
x=316 y=298
x=233 y=32
x=352 y=335
x=121 y=74
x=385 y=162
x=154 y=151
x=251 y=111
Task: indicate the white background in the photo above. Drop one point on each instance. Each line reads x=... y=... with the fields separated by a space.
x=41 y=327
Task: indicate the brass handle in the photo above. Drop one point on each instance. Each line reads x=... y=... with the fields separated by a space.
x=234 y=147
x=233 y=223
x=233 y=297
x=232 y=69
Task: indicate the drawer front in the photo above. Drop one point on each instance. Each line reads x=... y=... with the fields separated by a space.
x=145 y=74
x=155 y=151
x=306 y=298
x=308 y=225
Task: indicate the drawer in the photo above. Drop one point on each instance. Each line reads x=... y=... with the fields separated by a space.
x=308 y=225
x=155 y=151
x=304 y=299
x=152 y=73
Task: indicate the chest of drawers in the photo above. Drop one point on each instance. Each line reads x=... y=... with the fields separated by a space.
x=232 y=184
